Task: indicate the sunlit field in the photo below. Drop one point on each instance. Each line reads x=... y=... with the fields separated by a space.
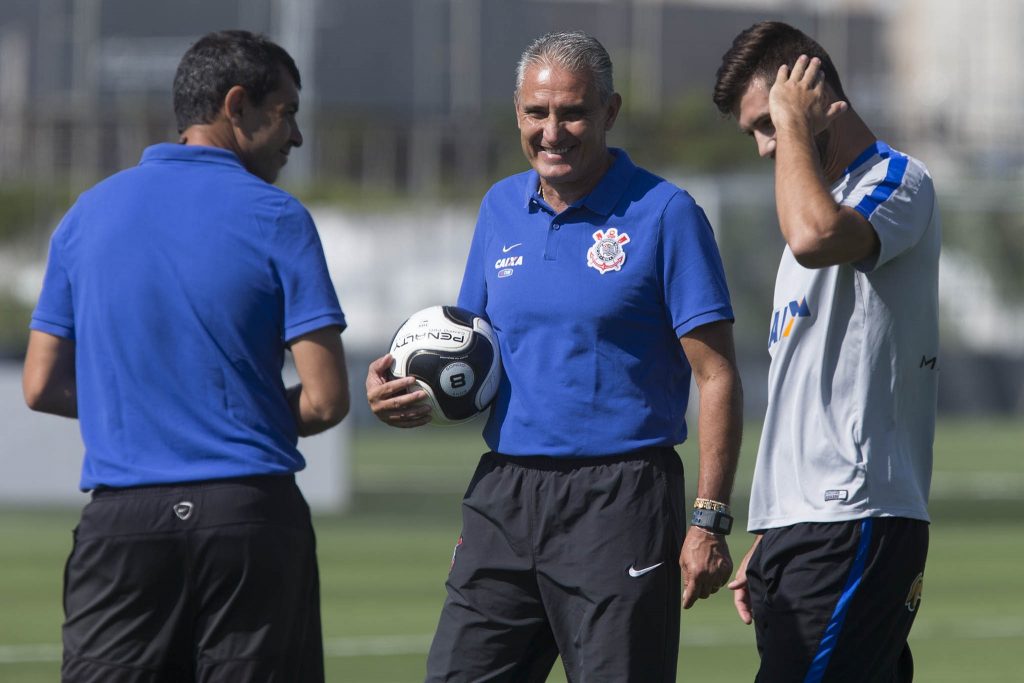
x=383 y=565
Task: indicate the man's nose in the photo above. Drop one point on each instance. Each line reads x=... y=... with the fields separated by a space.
x=551 y=129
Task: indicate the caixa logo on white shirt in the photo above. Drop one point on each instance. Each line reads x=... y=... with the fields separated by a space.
x=784 y=319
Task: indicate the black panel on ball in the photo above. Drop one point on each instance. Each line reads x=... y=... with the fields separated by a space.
x=426 y=365
x=458 y=315
x=480 y=355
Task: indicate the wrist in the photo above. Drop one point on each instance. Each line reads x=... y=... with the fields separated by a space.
x=711 y=504
x=708 y=532
x=794 y=129
x=717 y=521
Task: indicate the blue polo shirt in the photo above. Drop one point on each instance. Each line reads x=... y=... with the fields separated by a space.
x=588 y=306
x=181 y=281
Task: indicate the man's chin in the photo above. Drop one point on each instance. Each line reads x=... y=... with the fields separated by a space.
x=822 y=142
x=267 y=176
x=553 y=172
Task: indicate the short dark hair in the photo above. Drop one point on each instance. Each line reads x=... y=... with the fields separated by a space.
x=221 y=60
x=758 y=52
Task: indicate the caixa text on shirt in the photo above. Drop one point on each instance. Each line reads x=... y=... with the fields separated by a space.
x=508 y=261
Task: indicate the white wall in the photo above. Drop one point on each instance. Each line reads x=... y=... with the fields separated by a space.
x=957 y=87
x=41 y=456
x=387 y=266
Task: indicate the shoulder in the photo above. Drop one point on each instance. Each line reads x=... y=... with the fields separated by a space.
x=897 y=170
x=916 y=176
x=885 y=177
x=513 y=188
x=247 y=194
x=113 y=188
x=290 y=205
x=288 y=216
x=662 y=194
x=248 y=188
x=506 y=200
x=100 y=199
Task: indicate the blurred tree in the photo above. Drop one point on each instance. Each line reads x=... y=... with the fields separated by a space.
x=689 y=133
x=991 y=232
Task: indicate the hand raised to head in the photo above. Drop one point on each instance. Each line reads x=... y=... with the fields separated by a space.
x=801 y=98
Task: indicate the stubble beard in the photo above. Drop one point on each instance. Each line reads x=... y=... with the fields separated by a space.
x=823 y=141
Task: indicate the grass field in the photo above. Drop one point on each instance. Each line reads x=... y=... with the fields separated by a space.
x=383 y=565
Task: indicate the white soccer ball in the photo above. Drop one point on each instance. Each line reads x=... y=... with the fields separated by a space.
x=454 y=357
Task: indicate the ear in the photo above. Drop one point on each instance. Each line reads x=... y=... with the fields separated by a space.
x=515 y=107
x=836 y=107
x=235 y=102
x=612 y=111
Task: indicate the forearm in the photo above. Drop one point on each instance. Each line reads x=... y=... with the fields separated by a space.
x=320 y=400
x=704 y=559
x=57 y=400
x=312 y=417
x=721 y=429
x=808 y=215
x=49 y=382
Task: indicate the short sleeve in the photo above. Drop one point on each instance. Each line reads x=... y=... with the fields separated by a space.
x=473 y=293
x=310 y=302
x=55 y=313
x=898 y=199
x=695 y=289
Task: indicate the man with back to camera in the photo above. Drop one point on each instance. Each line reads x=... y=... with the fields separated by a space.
x=573 y=526
x=839 y=497
x=171 y=293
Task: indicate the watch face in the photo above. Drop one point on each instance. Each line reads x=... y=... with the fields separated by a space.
x=715 y=521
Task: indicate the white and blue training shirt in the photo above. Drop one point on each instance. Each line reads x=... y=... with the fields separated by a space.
x=854 y=372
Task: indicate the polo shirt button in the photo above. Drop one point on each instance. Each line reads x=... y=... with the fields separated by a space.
x=556 y=226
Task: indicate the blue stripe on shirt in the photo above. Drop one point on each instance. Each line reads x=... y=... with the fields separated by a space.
x=893 y=178
x=835 y=624
x=877 y=147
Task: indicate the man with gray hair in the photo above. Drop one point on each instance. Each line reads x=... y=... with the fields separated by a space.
x=604 y=286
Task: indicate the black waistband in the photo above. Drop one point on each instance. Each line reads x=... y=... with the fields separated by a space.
x=564 y=463
x=264 y=481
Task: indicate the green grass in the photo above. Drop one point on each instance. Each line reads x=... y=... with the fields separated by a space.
x=383 y=565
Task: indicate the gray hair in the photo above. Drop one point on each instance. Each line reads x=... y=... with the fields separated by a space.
x=574 y=51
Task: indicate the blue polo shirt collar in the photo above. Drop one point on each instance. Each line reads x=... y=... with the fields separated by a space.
x=605 y=196
x=169 y=151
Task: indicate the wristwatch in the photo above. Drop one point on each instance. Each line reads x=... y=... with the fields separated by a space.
x=714 y=521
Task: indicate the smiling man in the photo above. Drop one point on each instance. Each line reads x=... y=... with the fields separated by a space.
x=172 y=292
x=604 y=286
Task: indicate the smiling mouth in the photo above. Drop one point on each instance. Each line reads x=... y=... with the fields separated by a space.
x=556 y=150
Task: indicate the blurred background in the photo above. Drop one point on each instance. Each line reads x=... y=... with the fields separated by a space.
x=407 y=117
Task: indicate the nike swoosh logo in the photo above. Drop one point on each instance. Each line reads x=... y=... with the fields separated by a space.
x=505 y=250
x=640 y=572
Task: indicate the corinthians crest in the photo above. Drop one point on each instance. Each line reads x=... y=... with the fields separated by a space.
x=607 y=253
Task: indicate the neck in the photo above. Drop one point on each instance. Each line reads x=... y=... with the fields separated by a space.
x=849 y=137
x=216 y=134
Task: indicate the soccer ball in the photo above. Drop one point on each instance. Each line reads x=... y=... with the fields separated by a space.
x=454 y=357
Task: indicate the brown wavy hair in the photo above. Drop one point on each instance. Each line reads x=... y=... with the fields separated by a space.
x=757 y=53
